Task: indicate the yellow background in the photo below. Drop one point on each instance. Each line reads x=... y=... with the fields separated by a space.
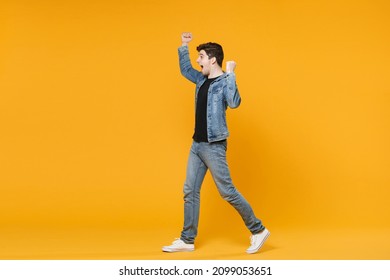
x=96 y=124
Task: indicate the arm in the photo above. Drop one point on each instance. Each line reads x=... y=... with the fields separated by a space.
x=186 y=68
x=233 y=97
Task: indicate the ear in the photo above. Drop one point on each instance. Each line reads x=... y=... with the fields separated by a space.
x=213 y=60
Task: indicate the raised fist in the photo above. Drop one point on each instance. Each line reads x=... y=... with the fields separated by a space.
x=230 y=66
x=186 y=37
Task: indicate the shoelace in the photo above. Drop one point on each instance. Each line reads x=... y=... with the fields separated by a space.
x=252 y=238
x=177 y=240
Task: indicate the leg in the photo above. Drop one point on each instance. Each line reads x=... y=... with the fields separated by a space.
x=214 y=156
x=196 y=171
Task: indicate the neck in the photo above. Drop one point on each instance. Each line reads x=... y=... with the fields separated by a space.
x=216 y=72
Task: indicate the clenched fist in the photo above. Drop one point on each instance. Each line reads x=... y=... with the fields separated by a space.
x=230 y=66
x=186 y=37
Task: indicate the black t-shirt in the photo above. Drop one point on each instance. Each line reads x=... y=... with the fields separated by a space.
x=200 y=134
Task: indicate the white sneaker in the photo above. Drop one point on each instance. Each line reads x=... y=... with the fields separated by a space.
x=257 y=240
x=179 y=246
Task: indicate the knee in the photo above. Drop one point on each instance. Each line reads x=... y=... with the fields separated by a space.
x=229 y=195
x=189 y=191
x=186 y=191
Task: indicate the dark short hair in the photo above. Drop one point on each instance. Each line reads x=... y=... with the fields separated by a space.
x=212 y=50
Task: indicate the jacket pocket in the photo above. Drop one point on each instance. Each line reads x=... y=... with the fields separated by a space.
x=217 y=94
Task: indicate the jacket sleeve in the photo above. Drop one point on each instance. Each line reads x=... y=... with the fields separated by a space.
x=232 y=95
x=186 y=68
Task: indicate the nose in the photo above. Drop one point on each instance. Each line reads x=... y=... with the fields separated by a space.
x=197 y=60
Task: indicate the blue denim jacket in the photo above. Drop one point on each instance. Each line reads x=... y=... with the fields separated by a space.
x=223 y=92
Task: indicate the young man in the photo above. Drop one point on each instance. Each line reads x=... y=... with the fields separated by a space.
x=215 y=91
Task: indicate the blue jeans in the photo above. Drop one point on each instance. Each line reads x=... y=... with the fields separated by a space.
x=211 y=156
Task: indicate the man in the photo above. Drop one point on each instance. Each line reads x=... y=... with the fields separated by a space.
x=215 y=91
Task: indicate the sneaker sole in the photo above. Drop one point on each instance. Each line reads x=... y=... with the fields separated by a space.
x=169 y=250
x=261 y=244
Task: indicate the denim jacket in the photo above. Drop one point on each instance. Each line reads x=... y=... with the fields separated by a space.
x=223 y=92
